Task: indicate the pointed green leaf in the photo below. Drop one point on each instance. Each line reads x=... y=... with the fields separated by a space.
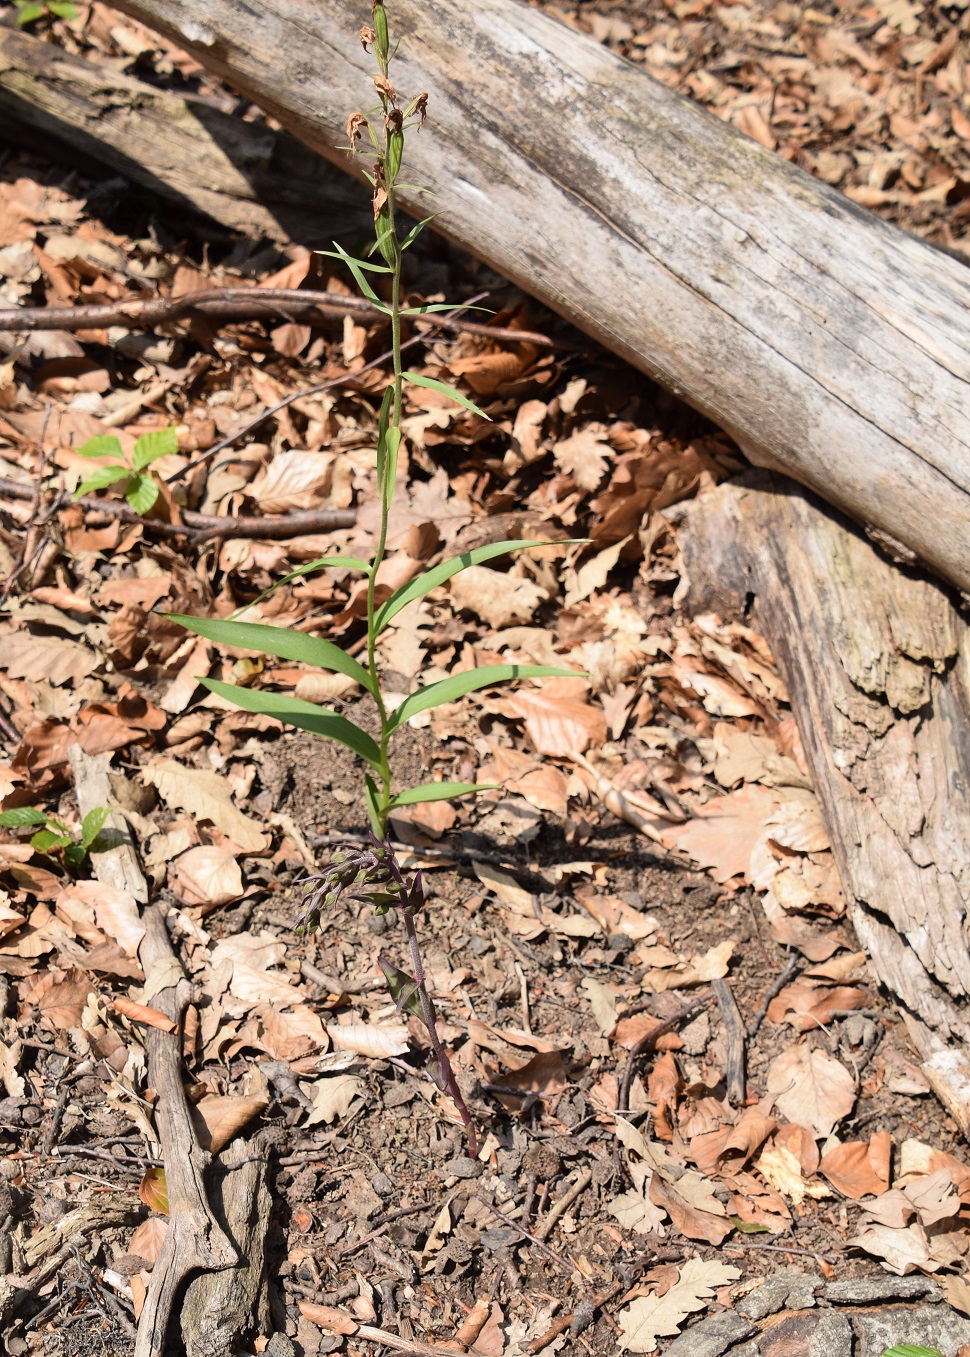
x=415 y=231
x=101 y=445
x=141 y=493
x=440 y=791
x=21 y=816
x=104 y=476
x=439 y=306
x=303 y=715
x=62 y=8
x=911 y=1350
x=392 y=443
x=372 y=797
x=383 y=419
x=457 y=685
x=321 y=563
x=281 y=641
x=92 y=825
x=151 y=446
x=46 y=839
x=434 y=385
x=357 y=267
x=430 y=579
x=404 y=989
x=338 y=252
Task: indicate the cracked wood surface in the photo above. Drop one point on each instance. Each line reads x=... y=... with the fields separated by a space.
x=202 y=1238
x=243 y=175
x=877 y=663
x=829 y=344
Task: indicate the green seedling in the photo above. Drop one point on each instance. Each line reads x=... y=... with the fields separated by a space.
x=373 y=874
x=29 y=11
x=139 y=486
x=53 y=835
x=911 y=1350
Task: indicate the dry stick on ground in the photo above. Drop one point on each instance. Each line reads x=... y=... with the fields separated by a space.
x=777 y=985
x=200 y=527
x=877 y=664
x=734 y=1029
x=196 y=1240
x=647 y=1041
x=248 y=303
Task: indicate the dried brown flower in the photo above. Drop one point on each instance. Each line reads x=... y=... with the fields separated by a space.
x=385 y=89
x=355 y=126
x=380 y=188
x=420 y=107
x=367 y=36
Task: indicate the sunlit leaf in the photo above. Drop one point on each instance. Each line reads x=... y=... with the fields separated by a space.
x=280 y=641
x=430 y=579
x=104 y=476
x=151 y=446
x=391 y=444
x=357 y=267
x=440 y=791
x=21 y=816
x=141 y=493
x=101 y=445
x=445 y=390
x=457 y=685
x=153 y=1190
x=92 y=825
x=46 y=839
x=305 y=715
x=28 y=14
x=372 y=797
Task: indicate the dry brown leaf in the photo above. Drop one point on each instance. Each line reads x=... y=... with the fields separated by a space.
x=859 y=1169
x=219 y=1119
x=287 y=1035
x=293 y=480
x=332 y=1097
x=781 y=1168
x=692 y=1207
x=726 y=831
x=207 y=876
x=369 y=1039
x=585 y=455
x=806 y=1006
x=498 y=599
x=207 y=796
x=650 y=1317
x=59 y=998
x=336 y=1321
x=557 y=726
x=51 y=658
x=141 y=1013
x=812 y=1088
x=147 y=1240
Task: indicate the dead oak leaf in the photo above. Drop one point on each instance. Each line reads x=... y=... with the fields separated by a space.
x=585 y=455
x=498 y=599
x=218 y=1119
x=207 y=796
x=59 y=999
x=650 y=1317
x=556 y=726
x=857 y=1168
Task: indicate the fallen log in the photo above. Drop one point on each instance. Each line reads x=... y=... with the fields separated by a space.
x=829 y=344
x=242 y=174
x=877 y=664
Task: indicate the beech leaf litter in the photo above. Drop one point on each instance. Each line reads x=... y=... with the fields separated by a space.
x=648 y=840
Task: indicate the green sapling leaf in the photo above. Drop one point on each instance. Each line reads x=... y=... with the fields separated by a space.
x=434 y=385
x=102 y=445
x=456 y=685
x=151 y=446
x=22 y=816
x=92 y=825
x=304 y=715
x=46 y=839
x=141 y=492
x=911 y=1350
x=104 y=476
x=280 y=641
x=28 y=14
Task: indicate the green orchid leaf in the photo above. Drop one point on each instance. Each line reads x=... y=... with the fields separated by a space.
x=92 y=825
x=445 y=390
x=357 y=267
x=280 y=641
x=383 y=420
x=392 y=443
x=415 y=231
x=911 y=1350
x=104 y=476
x=404 y=989
x=457 y=685
x=439 y=306
x=141 y=493
x=440 y=791
x=303 y=715
x=430 y=579
x=62 y=8
x=22 y=816
x=151 y=446
x=102 y=445
x=373 y=805
x=338 y=252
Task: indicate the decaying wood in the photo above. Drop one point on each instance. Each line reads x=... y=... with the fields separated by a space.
x=877 y=663
x=201 y=1237
x=830 y=344
x=241 y=174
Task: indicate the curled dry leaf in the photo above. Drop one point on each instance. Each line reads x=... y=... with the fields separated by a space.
x=858 y=1169
x=556 y=726
x=807 y=1007
x=147 y=1240
x=150 y=1017
x=153 y=1191
x=781 y=1168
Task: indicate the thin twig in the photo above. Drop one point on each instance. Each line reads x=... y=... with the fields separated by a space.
x=557 y=1258
x=646 y=1043
x=776 y=986
x=200 y=527
x=246 y=303
x=549 y=1222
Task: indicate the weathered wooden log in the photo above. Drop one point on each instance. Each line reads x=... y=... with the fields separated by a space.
x=829 y=344
x=242 y=174
x=877 y=663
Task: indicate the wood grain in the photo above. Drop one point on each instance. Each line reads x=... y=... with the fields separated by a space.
x=829 y=344
x=877 y=664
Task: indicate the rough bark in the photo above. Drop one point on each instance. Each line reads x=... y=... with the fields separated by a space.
x=204 y=1237
x=877 y=663
x=830 y=344
x=241 y=174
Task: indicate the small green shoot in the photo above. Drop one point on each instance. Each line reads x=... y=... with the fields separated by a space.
x=53 y=835
x=139 y=486
x=29 y=11
x=911 y=1350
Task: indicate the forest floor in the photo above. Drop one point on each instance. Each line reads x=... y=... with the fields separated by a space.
x=625 y=1184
